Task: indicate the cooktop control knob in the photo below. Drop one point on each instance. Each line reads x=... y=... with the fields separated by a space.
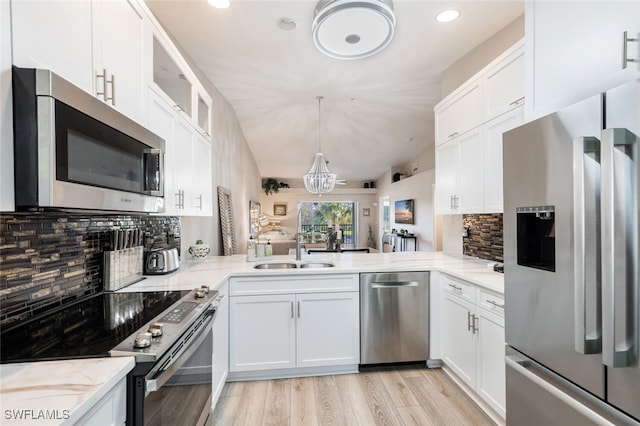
x=200 y=293
x=205 y=288
x=156 y=330
x=142 y=340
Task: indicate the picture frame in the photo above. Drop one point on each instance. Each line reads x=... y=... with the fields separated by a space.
x=279 y=209
x=366 y=211
x=404 y=212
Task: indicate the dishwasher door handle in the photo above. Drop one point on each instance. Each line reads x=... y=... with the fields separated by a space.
x=393 y=284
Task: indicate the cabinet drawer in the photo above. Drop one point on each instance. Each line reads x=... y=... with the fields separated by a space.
x=459 y=288
x=281 y=284
x=491 y=301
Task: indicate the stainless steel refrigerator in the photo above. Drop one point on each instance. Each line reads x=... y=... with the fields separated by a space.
x=571 y=263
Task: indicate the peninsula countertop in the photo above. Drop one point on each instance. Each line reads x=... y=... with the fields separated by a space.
x=214 y=270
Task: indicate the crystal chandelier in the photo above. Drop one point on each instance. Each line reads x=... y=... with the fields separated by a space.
x=319 y=180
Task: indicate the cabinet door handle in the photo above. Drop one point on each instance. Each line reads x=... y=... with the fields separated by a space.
x=298 y=309
x=200 y=204
x=292 y=313
x=469 y=321
x=517 y=101
x=112 y=83
x=102 y=77
x=475 y=324
x=625 y=41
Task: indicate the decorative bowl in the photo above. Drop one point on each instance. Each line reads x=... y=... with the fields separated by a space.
x=200 y=251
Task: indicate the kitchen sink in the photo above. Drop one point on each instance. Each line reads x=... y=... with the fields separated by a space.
x=292 y=265
x=317 y=265
x=276 y=265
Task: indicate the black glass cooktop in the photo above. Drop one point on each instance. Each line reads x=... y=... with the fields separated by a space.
x=85 y=329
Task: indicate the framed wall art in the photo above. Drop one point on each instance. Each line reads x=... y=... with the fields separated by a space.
x=279 y=209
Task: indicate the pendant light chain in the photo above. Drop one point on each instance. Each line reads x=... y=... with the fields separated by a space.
x=319 y=98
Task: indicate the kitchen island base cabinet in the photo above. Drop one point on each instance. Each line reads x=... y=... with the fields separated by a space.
x=294 y=333
x=111 y=409
x=473 y=340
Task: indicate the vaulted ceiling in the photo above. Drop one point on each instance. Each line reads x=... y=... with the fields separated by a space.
x=376 y=113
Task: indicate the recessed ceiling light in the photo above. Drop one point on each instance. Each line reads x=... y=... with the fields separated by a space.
x=286 y=24
x=219 y=4
x=447 y=15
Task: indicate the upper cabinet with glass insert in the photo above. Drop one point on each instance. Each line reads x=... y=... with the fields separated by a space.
x=182 y=89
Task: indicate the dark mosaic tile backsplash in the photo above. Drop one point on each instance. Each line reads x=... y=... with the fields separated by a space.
x=485 y=236
x=48 y=259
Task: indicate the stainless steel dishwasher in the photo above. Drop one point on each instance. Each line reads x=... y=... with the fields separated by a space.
x=394 y=317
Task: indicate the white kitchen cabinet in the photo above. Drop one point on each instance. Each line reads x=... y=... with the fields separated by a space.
x=286 y=324
x=504 y=83
x=220 y=344
x=262 y=332
x=188 y=185
x=458 y=341
x=473 y=339
x=63 y=45
x=7 y=201
x=118 y=37
x=492 y=131
x=96 y=45
x=460 y=112
x=202 y=187
x=470 y=193
x=459 y=174
x=571 y=59
x=490 y=368
x=469 y=162
x=111 y=409
x=327 y=329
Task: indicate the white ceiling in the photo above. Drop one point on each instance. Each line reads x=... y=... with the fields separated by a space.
x=377 y=112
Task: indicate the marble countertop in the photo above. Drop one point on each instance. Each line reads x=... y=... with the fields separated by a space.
x=214 y=270
x=57 y=392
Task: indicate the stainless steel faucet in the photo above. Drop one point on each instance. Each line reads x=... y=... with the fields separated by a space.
x=298 y=234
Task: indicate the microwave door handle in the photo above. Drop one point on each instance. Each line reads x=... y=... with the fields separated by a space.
x=153 y=176
x=586 y=241
x=620 y=170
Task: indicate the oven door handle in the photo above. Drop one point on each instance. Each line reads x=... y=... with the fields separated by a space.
x=171 y=362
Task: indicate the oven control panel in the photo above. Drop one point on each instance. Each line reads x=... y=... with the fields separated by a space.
x=179 y=313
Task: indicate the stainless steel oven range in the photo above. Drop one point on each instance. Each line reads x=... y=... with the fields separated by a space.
x=169 y=333
x=171 y=382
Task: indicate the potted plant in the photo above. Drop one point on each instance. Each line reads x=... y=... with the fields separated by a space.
x=271 y=186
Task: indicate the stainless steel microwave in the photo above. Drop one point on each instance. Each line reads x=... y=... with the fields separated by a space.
x=72 y=151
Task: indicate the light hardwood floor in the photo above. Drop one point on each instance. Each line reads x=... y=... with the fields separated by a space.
x=402 y=395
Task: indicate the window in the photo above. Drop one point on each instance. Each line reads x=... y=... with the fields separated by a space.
x=318 y=216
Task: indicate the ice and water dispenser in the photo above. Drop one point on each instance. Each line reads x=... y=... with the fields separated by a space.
x=536 y=241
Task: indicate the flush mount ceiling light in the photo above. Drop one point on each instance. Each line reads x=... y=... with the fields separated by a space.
x=447 y=15
x=319 y=180
x=353 y=29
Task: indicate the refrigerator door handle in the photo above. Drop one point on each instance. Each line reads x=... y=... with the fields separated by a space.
x=620 y=169
x=528 y=370
x=586 y=240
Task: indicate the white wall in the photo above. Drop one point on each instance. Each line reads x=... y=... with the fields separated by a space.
x=419 y=187
x=465 y=67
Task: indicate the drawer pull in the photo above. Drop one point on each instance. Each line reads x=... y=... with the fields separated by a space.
x=453 y=135
x=496 y=304
x=455 y=287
